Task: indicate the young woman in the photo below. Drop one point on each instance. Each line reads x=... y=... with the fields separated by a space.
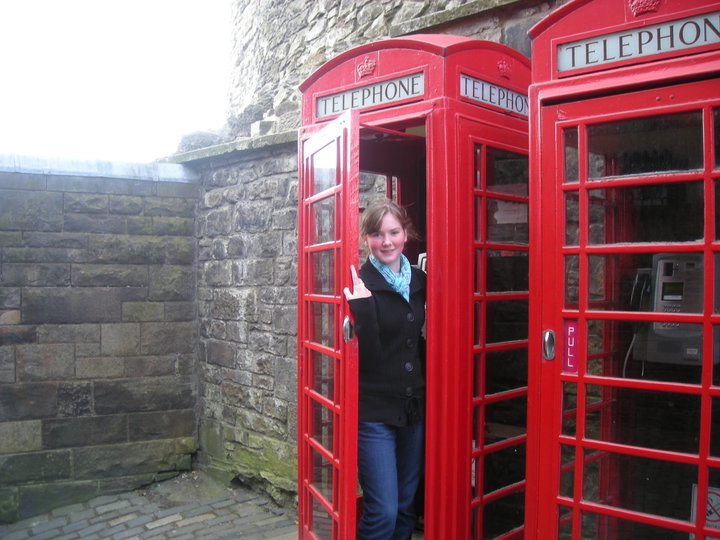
x=388 y=301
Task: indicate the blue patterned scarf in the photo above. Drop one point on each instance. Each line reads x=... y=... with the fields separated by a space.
x=400 y=283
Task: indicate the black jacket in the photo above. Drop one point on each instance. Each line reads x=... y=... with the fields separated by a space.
x=391 y=350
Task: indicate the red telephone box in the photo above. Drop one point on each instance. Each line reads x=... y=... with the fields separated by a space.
x=624 y=432
x=438 y=123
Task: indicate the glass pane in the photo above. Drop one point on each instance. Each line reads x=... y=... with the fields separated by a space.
x=503 y=515
x=639 y=484
x=478 y=378
x=717 y=207
x=716 y=356
x=716 y=122
x=507 y=222
x=321 y=273
x=479 y=285
x=507 y=172
x=371 y=186
x=567 y=470
x=504 y=467
x=505 y=370
x=565 y=523
x=507 y=320
x=602 y=526
x=321 y=524
x=569 y=409
x=324 y=168
x=654 y=144
x=478 y=326
x=322 y=323
x=572 y=216
x=637 y=350
x=478 y=166
x=650 y=213
x=570 y=144
x=322 y=228
x=715 y=428
x=323 y=375
x=322 y=425
x=321 y=475
x=479 y=236
x=507 y=271
x=505 y=419
x=661 y=420
x=572 y=263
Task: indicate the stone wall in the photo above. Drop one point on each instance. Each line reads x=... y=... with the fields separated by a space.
x=98 y=329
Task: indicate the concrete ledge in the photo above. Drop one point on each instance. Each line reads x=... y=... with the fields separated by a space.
x=443 y=17
x=237 y=146
x=157 y=172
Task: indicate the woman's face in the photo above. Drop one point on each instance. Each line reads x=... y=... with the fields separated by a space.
x=388 y=243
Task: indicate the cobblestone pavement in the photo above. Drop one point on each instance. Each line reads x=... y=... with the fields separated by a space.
x=187 y=507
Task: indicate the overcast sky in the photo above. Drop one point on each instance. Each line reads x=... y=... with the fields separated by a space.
x=119 y=80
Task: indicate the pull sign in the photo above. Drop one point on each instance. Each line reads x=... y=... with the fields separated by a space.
x=570 y=350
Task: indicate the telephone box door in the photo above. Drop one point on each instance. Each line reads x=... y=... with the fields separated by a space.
x=327 y=356
x=627 y=282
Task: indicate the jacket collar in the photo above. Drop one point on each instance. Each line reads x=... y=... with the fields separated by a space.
x=374 y=281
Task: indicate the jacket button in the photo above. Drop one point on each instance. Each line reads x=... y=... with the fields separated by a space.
x=409 y=366
x=410 y=317
x=408 y=391
x=409 y=343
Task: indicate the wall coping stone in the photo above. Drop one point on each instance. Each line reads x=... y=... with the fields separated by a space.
x=156 y=172
x=439 y=18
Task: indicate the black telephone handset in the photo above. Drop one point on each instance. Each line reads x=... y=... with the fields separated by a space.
x=640 y=295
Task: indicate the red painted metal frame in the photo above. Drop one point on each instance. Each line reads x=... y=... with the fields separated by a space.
x=577 y=98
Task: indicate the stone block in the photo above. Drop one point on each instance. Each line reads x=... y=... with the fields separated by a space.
x=86 y=203
x=121 y=339
x=139 y=225
x=17 y=437
x=252 y=216
x=35 y=467
x=217 y=273
x=36 y=275
x=220 y=353
x=28 y=401
x=149 y=366
x=179 y=250
x=171 y=283
x=143 y=395
x=161 y=425
x=22 y=180
x=127 y=459
x=121 y=186
x=80 y=184
x=143 y=311
x=125 y=204
x=10 y=317
x=86 y=431
x=167 y=338
x=11 y=239
x=42 y=498
x=10 y=297
x=9 y=505
x=180 y=311
x=74 y=399
x=91 y=305
x=179 y=189
x=69 y=333
x=31 y=211
x=7 y=364
x=13 y=335
x=95 y=224
x=218 y=222
x=99 y=367
x=109 y=275
x=126 y=249
x=174 y=207
x=45 y=362
x=55 y=240
x=173 y=226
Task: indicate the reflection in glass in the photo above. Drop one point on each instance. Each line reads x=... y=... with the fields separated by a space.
x=322 y=425
x=506 y=172
x=505 y=370
x=503 y=515
x=507 y=221
x=505 y=419
x=637 y=483
x=321 y=475
x=653 y=144
x=478 y=166
x=479 y=282
x=479 y=236
x=507 y=320
x=569 y=408
x=660 y=420
x=572 y=269
x=322 y=272
x=717 y=208
x=567 y=470
x=321 y=524
x=564 y=523
x=603 y=526
x=507 y=271
x=324 y=168
x=322 y=323
x=572 y=223
x=649 y=213
x=323 y=221
x=716 y=129
x=715 y=428
x=478 y=324
x=570 y=144
x=323 y=375
x=504 y=467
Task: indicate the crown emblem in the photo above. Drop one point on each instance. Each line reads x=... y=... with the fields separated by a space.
x=638 y=7
x=504 y=68
x=366 y=67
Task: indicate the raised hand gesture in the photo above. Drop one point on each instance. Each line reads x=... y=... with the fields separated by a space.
x=359 y=290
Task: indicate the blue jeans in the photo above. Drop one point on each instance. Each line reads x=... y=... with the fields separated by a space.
x=390 y=461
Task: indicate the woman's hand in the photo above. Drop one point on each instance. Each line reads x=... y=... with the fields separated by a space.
x=359 y=290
